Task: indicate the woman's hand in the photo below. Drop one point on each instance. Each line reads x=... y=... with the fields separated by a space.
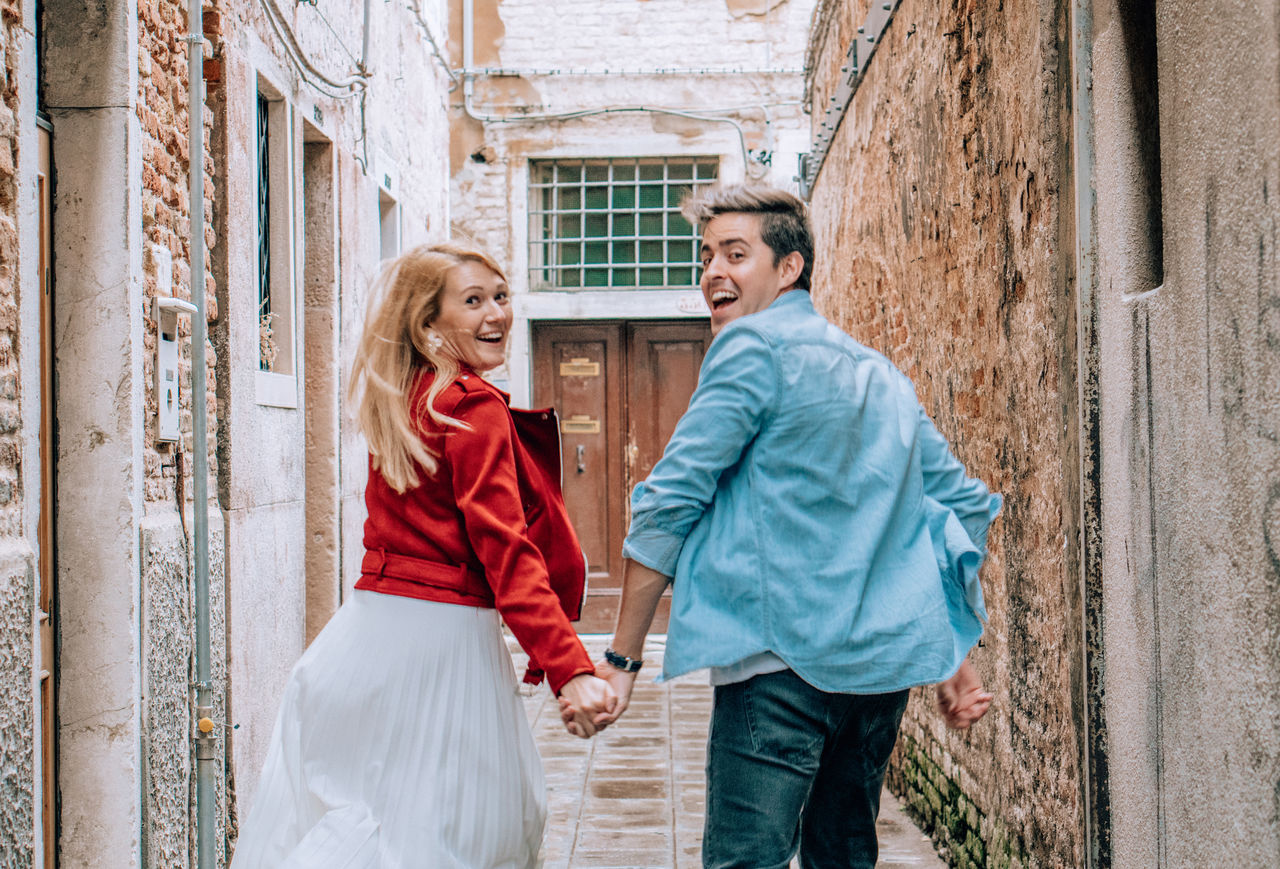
x=583 y=700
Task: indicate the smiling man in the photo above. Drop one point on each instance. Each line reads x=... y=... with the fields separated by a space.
x=824 y=545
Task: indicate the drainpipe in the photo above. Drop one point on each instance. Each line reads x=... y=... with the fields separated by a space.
x=468 y=54
x=206 y=757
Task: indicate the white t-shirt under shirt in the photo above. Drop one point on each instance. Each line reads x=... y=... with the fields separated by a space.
x=752 y=665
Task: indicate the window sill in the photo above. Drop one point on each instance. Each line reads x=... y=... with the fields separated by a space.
x=276 y=390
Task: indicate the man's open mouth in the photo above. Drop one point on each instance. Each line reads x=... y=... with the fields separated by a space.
x=720 y=298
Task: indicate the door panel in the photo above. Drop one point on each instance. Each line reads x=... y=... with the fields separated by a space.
x=662 y=372
x=606 y=379
x=577 y=373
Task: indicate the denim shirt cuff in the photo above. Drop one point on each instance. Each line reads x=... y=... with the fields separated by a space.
x=655 y=549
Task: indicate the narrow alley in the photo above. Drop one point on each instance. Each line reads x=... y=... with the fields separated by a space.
x=632 y=798
x=1058 y=220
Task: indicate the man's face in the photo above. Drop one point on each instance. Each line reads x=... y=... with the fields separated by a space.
x=739 y=276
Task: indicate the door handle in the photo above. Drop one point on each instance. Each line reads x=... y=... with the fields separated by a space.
x=582 y=459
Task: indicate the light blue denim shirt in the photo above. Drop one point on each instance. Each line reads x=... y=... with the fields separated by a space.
x=806 y=506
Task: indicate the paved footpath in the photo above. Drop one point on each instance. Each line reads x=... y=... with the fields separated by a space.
x=632 y=798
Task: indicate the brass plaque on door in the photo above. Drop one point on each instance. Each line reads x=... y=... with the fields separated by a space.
x=580 y=367
x=579 y=423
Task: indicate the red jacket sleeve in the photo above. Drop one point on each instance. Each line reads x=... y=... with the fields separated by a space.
x=482 y=464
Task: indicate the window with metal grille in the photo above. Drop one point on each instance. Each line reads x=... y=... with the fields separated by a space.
x=266 y=356
x=614 y=223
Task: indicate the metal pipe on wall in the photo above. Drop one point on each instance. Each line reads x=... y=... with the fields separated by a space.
x=206 y=795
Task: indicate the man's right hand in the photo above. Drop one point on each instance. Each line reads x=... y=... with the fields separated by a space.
x=584 y=699
x=621 y=682
x=961 y=699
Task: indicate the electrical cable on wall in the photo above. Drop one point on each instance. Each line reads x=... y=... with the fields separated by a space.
x=338 y=89
x=454 y=78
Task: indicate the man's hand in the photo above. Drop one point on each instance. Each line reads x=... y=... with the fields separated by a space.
x=620 y=681
x=961 y=699
x=583 y=699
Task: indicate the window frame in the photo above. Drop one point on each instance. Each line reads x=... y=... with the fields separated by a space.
x=553 y=199
x=277 y=385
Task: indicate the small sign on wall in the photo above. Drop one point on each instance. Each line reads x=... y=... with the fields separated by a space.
x=580 y=424
x=692 y=304
x=580 y=367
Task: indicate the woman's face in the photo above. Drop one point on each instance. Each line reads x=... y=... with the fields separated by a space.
x=475 y=316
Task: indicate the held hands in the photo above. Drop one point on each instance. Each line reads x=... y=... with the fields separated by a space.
x=961 y=699
x=584 y=702
x=619 y=683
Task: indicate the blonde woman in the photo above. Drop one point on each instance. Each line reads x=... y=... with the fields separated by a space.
x=401 y=740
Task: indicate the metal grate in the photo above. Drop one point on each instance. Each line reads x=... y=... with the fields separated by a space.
x=614 y=223
x=264 y=222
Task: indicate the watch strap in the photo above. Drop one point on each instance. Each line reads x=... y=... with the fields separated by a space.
x=622 y=662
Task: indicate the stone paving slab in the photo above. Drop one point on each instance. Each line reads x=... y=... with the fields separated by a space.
x=632 y=797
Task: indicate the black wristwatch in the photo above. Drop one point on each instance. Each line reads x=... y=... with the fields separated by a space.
x=622 y=662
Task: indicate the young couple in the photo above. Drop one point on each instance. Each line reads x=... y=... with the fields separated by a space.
x=823 y=542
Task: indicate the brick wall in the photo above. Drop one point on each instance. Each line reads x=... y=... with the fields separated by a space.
x=17 y=748
x=10 y=417
x=166 y=226
x=940 y=216
x=546 y=40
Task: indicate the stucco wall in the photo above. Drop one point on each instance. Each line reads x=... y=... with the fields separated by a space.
x=291 y=475
x=939 y=216
x=17 y=725
x=1189 y=378
x=169 y=671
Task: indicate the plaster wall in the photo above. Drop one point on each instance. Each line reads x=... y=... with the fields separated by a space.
x=653 y=48
x=98 y=356
x=292 y=467
x=1190 y=399
x=942 y=216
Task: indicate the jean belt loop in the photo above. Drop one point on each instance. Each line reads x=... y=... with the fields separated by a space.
x=382 y=562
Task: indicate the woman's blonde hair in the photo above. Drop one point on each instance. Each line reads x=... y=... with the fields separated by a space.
x=394 y=349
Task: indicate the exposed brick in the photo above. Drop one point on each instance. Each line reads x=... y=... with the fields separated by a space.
x=937 y=221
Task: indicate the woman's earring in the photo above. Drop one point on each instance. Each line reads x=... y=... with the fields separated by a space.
x=434 y=341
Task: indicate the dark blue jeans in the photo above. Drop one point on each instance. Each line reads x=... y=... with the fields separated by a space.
x=791 y=767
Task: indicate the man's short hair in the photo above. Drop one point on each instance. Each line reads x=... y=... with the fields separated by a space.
x=784 y=220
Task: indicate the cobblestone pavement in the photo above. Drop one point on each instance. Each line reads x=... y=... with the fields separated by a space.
x=632 y=798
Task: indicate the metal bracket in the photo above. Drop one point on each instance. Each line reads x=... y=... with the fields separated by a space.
x=856 y=60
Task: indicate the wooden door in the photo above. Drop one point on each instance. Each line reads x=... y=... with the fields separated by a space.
x=44 y=526
x=619 y=388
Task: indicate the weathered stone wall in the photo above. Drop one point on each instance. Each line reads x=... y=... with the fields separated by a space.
x=11 y=38
x=549 y=45
x=671 y=54
x=941 y=242
x=291 y=472
x=17 y=582
x=1189 y=384
x=162 y=111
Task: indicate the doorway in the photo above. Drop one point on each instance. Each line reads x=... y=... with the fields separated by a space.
x=620 y=387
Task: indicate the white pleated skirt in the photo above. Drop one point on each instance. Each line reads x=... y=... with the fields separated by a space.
x=401 y=743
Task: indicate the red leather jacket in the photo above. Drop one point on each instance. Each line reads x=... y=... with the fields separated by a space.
x=489 y=529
